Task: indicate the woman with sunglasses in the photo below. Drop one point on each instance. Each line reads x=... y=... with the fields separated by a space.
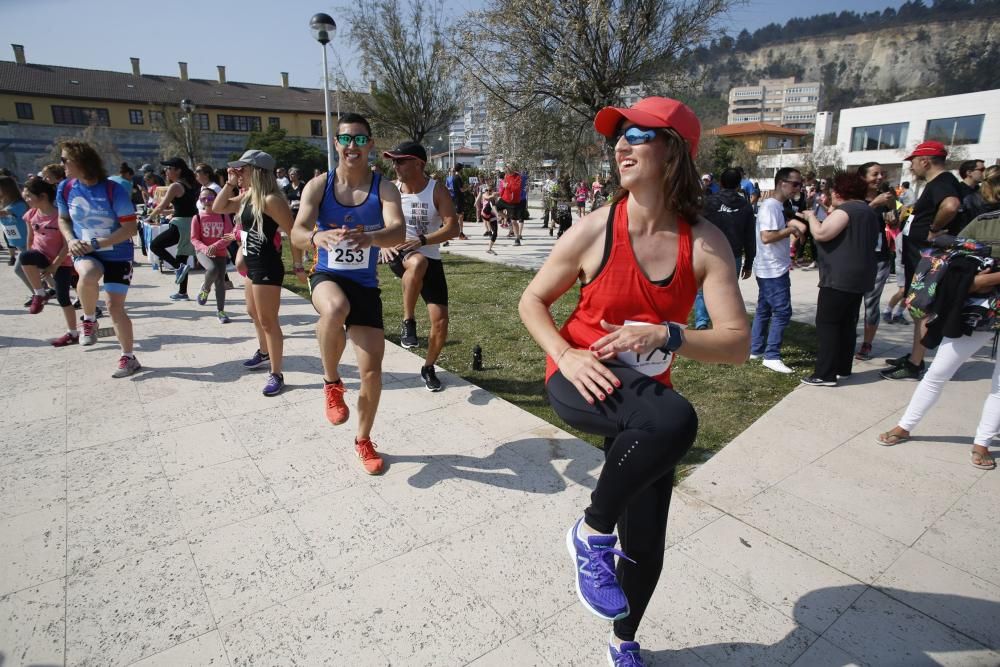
x=211 y=235
x=182 y=197
x=263 y=214
x=640 y=263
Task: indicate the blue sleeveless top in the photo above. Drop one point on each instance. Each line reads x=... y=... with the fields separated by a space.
x=357 y=264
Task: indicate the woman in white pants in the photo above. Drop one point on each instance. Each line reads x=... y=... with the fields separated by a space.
x=949 y=357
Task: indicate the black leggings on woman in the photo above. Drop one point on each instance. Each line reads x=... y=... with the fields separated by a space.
x=492 y=224
x=647 y=428
x=159 y=247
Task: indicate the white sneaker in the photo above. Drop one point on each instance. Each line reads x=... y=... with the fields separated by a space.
x=754 y=357
x=777 y=365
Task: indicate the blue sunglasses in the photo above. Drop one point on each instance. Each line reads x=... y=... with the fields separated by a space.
x=636 y=135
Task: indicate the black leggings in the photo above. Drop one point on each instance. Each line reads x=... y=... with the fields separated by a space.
x=492 y=224
x=647 y=429
x=836 y=332
x=63 y=276
x=159 y=247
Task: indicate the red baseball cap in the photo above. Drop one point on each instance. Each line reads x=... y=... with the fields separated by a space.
x=928 y=149
x=652 y=113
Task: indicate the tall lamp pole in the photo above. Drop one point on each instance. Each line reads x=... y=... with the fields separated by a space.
x=323 y=29
x=187 y=106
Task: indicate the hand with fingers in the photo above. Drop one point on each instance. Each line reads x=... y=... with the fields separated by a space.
x=591 y=378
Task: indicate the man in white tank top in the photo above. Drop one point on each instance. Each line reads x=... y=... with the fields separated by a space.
x=430 y=220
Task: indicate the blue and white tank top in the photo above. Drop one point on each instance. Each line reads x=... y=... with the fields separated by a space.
x=357 y=264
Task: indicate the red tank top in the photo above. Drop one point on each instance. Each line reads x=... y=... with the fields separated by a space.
x=621 y=292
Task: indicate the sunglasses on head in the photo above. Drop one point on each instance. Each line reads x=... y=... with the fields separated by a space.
x=637 y=135
x=345 y=139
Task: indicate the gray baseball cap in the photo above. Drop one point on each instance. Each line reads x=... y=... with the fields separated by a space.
x=254 y=158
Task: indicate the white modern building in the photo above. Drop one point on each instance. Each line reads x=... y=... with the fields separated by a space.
x=885 y=133
x=783 y=102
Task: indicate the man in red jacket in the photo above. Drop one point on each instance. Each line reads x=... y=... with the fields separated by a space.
x=510 y=202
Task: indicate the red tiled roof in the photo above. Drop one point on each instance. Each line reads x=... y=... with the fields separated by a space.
x=88 y=84
x=757 y=127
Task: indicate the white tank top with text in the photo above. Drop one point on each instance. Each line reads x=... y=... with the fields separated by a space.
x=422 y=217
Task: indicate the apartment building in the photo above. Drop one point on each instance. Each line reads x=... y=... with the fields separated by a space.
x=782 y=102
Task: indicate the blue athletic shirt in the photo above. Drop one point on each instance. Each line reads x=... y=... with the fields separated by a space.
x=14 y=226
x=357 y=264
x=94 y=216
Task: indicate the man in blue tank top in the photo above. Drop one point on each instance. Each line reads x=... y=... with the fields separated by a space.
x=342 y=215
x=430 y=219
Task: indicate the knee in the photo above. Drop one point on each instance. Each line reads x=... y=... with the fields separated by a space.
x=676 y=424
x=416 y=265
x=439 y=322
x=371 y=377
x=117 y=311
x=333 y=317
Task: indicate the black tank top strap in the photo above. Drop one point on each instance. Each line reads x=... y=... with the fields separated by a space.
x=609 y=241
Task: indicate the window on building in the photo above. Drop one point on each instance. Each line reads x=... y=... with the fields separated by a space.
x=879 y=137
x=273 y=121
x=80 y=116
x=156 y=118
x=316 y=128
x=200 y=121
x=955 y=131
x=135 y=117
x=239 y=123
x=25 y=111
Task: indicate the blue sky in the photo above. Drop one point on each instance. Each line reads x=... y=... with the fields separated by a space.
x=254 y=39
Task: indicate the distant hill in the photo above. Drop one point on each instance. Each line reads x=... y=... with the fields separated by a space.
x=895 y=60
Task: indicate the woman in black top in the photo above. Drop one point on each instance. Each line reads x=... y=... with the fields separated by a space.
x=845 y=245
x=883 y=201
x=182 y=197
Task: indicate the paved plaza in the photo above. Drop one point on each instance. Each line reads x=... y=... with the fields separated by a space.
x=179 y=517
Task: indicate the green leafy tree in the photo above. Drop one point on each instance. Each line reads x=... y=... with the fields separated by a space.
x=287 y=152
x=405 y=58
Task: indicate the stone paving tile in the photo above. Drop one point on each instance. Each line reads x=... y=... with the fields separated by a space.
x=854 y=549
x=311 y=629
x=250 y=565
x=353 y=529
x=772 y=571
x=33 y=439
x=38 y=483
x=222 y=494
x=122 y=522
x=195 y=446
x=112 y=466
x=204 y=651
x=135 y=607
x=307 y=469
x=720 y=621
x=967 y=536
x=960 y=600
x=905 y=636
x=33 y=548
x=517 y=651
x=824 y=654
x=33 y=625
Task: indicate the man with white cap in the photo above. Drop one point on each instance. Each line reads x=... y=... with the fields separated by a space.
x=430 y=220
x=342 y=214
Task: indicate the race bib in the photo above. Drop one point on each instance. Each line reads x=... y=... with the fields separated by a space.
x=12 y=233
x=342 y=257
x=652 y=363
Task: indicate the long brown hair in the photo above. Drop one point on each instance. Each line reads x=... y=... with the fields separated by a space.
x=990 y=188
x=681 y=184
x=87 y=158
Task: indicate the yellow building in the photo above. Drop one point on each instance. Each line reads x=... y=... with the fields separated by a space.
x=763 y=137
x=39 y=103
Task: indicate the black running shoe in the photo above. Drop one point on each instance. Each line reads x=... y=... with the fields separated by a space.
x=430 y=378
x=813 y=381
x=905 y=372
x=408 y=334
x=897 y=362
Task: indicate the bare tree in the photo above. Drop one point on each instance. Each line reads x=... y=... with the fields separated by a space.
x=574 y=57
x=404 y=57
x=97 y=136
x=170 y=124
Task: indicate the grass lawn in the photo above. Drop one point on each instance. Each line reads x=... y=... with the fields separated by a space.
x=483 y=311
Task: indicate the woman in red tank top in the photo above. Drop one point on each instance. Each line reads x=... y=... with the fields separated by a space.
x=640 y=263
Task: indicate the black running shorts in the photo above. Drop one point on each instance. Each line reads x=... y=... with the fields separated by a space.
x=365 y=302
x=435 y=287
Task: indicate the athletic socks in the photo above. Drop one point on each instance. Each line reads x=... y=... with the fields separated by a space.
x=325 y=381
x=40 y=291
x=90 y=318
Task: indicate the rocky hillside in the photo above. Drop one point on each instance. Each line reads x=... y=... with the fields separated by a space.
x=904 y=62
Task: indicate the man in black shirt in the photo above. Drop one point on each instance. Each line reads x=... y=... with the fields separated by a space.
x=934 y=211
x=729 y=210
x=971 y=173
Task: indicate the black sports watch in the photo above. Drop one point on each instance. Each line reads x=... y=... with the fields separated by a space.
x=675 y=338
x=423 y=239
x=94 y=244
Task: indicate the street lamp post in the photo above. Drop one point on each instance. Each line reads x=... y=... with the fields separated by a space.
x=323 y=29
x=187 y=107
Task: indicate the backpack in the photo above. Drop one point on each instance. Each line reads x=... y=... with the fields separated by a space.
x=933 y=266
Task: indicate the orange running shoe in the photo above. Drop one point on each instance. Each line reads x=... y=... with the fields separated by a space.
x=336 y=410
x=370 y=459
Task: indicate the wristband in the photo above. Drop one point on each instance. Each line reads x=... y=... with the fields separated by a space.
x=423 y=239
x=298 y=267
x=562 y=354
x=312 y=238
